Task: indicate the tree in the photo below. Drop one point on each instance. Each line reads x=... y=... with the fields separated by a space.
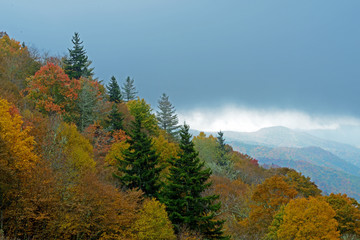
x=153 y=223
x=347 y=213
x=268 y=197
x=167 y=118
x=77 y=65
x=114 y=91
x=86 y=104
x=52 y=90
x=140 y=109
x=129 y=90
x=139 y=167
x=223 y=160
x=183 y=191
x=311 y=218
x=116 y=118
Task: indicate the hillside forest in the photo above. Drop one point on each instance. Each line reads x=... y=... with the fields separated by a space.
x=80 y=159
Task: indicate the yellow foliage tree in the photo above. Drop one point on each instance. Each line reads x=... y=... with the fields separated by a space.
x=311 y=218
x=17 y=144
x=77 y=149
x=153 y=223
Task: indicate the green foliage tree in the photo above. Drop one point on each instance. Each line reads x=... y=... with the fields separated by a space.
x=77 y=64
x=115 y=119
x=166 y=116
x=223 y=160
x=139 y=168
x=129 y=90
x=183 y=191
x=86 y=104
x=114 y=91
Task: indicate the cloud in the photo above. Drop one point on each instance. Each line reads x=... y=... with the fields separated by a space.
x=233 y=118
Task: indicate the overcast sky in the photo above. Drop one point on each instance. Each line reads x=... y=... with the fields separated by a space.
x=265 y=60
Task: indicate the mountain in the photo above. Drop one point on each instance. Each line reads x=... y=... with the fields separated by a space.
x=327 y=179
x=313 y=155
x=285 y=137
x=333 y=166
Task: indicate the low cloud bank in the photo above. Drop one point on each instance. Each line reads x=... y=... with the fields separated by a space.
x=232 y=118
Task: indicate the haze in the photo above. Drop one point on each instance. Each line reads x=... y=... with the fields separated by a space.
x=297 y=61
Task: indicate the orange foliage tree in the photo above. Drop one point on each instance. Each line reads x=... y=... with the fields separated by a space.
x=52 y=90
x=268 y=198
x=311 y=218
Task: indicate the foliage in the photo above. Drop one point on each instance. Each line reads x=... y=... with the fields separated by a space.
x=129 y=90
x=52 y=91
x=303 y=185
x=311 y=218
x=153 y=223
x=139 y=167
x=183 y=191
x=16 y=64
x=167 y=117
x=115 y=119
x=141 y=110
x=268 y=198
x=347 y=213
x=114 y=91
x=77 y=64
x=87 y=103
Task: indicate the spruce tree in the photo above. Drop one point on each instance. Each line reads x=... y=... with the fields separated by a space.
x=114 y=91
x=116 y=118
x=167 y=117
x=139 y=168
x=129 y=89
x=77 y=64
x=223 y=161
x=183 y=191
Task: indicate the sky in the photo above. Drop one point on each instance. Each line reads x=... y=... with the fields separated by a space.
x=229 y=64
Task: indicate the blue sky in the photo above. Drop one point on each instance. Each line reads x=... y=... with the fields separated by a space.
x=281 y=56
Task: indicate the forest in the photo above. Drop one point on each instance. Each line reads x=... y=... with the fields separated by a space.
x=80 y=159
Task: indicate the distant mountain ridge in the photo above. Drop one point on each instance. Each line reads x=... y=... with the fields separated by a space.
x=285 y=137
x=333 y=166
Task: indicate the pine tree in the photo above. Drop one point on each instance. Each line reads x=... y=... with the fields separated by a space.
x=114 y=91
x=183 y=191
x=116 y=118
x=77 y=64
x=139 y=169
x=166 y=117
x=129 y=90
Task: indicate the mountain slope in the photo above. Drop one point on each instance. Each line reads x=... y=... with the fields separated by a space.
x=284 y=137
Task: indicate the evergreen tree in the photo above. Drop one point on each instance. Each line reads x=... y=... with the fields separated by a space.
x=114 y=91
x=139 y=167
x=129 y=89
x=182 y=193
x=223 y=161
x=116 y=118
x=166 y=117
x=77 y=64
